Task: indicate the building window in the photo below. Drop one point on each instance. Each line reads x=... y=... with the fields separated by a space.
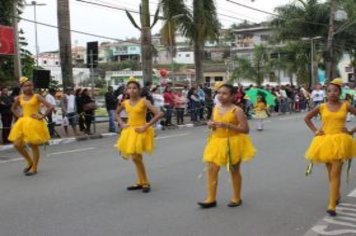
x=44 y=62
x=264 y=37
x=57 y=63
x=187 y=55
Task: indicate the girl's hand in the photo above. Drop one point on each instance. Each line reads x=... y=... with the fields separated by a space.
x=211 y=124
x=346 y=131
x=221 y=125
x=141 y=129
x=319 y=133
x=37 y=116
x=123 y=125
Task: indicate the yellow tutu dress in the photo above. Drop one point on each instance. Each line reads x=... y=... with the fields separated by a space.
x=27 y=129
x=225 y=146
x=260 y=111
x=335 y=144
x=131 y=142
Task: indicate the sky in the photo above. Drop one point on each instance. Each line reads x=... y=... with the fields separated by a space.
x=115 y=24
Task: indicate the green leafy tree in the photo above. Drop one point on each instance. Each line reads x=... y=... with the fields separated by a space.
x=254 y=69
x=199 y=24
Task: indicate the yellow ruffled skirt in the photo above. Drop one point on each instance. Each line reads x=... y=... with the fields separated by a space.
x=331 y=147
x=217 y=149
x=261 y=114
x=131 y=142
x=30 y=130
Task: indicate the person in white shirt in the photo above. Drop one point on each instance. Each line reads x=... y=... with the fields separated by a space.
x=69 y=109
x=51 y=100
x=317 y=95
x=158 y=101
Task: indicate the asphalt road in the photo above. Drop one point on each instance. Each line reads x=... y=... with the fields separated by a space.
x=80 y=190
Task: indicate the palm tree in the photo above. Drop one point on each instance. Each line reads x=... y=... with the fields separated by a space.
x=173 y=13
x=200 y=27
x=65 y=43
x=199 y=24
x=255 y=69
x=146 y=40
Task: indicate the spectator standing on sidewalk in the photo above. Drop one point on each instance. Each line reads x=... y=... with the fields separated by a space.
x=89 y=108
x=6 y=114
x=168 y=104
x=158 y=103
x=317 y=95
x=180 y=103
x=50 y=98
x=80 y=111
x=111 y=104
x=68 y=105
x=209 y=101
x=194 y=104
x=201 y=95
x=146 y=93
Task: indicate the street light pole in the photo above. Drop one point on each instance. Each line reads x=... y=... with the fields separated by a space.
x=34 y=4
x=312 y=52
x=18 y=67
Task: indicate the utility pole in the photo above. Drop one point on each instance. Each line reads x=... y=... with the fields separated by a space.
x=330 y=65
x=34 y=4
x=91 y=55
x=17 y=57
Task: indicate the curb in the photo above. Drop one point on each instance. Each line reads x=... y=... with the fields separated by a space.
x=52 y=142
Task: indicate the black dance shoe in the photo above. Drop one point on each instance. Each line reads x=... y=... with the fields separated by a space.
x=235 y=204
x=331 y=213
x=206 y=205
x=146 y=188
x=134 y=187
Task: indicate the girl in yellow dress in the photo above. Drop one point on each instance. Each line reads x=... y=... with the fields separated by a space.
x=261 y=112
x=228 y=145
x=333 y=143
x=137 y=136
x=30 y=128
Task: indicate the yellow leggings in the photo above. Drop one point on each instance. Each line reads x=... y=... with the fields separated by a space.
x=140 y=169
x=334 y=173
x=236 y=180
x=31 y=161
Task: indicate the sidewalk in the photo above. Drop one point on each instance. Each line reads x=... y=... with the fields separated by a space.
x=101 y=132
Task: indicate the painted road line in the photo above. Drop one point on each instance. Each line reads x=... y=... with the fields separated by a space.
x=11 y=160
x=71 y=151
x=49 y=154
x=291 y=118
x=172 y=136
x=343 y=224
x=353 y=193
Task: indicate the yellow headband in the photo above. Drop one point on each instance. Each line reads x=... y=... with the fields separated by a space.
x=337 y=81
x=23 y=80
x=218 y=85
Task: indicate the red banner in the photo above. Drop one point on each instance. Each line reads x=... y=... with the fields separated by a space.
x=7 y=40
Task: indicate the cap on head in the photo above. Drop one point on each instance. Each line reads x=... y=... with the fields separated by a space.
x=217 y=85
x=337 y=81
x=23 y=79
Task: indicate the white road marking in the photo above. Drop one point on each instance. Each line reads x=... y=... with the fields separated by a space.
x=353 y=193
x=11 y=160
x=291 y=118
x=50 y=154
x=342 y=224
x=172 y=136
x=71 y=151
